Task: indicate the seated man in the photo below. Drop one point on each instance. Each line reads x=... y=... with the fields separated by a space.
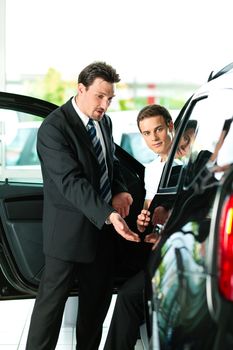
x=156 y=126
x=128 y=314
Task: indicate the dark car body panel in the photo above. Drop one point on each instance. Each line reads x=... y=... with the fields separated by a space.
x=185 y=307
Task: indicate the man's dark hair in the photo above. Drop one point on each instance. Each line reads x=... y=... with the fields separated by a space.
x=192 y=124
x=98 y=70
x=154 y=111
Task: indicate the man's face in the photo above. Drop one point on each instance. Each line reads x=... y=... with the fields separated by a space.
x=95 y=100
x=157 y=135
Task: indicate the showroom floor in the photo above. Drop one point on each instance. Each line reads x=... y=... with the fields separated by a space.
x=15 y=318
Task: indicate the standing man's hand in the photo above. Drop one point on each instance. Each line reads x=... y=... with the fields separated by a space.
x=122 y=228
x=121 y=202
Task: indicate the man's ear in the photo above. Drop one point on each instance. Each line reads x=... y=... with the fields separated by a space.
x=171 y=126
x=81 y=88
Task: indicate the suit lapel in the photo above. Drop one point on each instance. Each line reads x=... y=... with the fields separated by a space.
x=77 y=125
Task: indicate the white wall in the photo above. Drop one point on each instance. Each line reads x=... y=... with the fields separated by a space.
x=2 y=44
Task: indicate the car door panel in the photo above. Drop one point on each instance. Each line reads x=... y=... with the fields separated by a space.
x=21 y=208
x=21 y=233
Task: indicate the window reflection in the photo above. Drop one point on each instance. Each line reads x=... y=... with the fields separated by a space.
x=202 y=142
x=186 y=141
x=222 y=157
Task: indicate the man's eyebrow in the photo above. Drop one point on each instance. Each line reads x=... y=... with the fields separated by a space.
x=158 y=126
x=103 y=93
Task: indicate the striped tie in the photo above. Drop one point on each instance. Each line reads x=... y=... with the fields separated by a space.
x=105 y=189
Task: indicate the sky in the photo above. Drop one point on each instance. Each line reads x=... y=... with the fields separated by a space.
x=146 y=41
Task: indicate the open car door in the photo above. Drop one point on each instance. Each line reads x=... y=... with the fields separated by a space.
x=21 y=195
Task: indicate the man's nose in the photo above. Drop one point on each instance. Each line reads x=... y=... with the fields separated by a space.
x=104 y=104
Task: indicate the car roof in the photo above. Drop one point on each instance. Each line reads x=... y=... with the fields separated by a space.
x=221 y=79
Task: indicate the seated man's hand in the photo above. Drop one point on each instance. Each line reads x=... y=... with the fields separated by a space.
x=143 y=220
x=159 y=218
x=152 y=238
x=121 y=202
x=160 y=215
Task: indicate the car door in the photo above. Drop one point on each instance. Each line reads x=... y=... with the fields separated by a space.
x=21 y=194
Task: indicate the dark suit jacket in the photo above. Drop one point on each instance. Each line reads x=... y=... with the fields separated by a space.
x=74 y=213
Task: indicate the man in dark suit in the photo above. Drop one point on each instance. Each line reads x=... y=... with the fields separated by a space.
x=78 y=219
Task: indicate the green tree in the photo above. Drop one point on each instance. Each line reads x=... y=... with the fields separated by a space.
x=52 y=87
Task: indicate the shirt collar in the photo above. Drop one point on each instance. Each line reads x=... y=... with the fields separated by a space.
x=82 y=116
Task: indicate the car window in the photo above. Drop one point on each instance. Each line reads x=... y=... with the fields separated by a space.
x=18 y=133
x=211 y=120
x=134 y=144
